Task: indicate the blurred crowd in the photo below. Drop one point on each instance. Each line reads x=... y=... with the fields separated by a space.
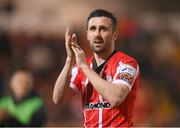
x=151 y=38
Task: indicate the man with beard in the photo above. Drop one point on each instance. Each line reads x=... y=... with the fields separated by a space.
x=108 y=80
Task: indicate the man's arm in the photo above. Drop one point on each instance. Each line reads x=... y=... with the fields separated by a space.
x=114 y=93
x=61 y=89
x=62 y=82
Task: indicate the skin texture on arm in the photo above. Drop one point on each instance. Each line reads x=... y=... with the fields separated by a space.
x=61 y=84
x=61 y=88
x=114 y=93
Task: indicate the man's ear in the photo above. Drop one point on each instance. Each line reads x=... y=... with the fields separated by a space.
x=87 y=35
x=115 y=35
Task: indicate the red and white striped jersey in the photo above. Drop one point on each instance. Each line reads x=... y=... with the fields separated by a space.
x=97 y=111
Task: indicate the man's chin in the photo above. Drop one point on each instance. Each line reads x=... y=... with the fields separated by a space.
x=98 y=50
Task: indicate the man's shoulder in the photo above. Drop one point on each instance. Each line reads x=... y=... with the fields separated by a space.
x=121 y=56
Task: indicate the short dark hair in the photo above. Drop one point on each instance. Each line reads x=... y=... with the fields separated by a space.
x=101 y=13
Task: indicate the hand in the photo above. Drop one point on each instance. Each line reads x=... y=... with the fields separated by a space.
x=79 y=55
x=68 y=40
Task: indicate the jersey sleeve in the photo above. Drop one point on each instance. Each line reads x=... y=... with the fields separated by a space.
x=75 y=82
x=126 y=73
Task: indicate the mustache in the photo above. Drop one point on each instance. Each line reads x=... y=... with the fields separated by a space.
x=98 y=38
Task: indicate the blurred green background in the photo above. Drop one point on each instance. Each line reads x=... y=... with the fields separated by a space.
x=32 y=37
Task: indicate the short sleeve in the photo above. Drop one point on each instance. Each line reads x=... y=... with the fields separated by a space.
x=75 y=82
x=126 y=73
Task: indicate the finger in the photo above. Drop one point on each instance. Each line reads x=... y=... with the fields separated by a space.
x=75 y=45
x=68 y=40
x=74 y=41
x=74 y=38
x=77 y=48
x=74 y=49
x=66 y=33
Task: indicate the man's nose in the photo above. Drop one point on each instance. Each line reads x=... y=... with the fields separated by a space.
x=97 y=33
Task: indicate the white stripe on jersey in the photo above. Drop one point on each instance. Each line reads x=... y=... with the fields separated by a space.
x=86 y=80
x=73 y=86
x=100 y=112
x=74 y=73
x=117 y=72
x=85 y=84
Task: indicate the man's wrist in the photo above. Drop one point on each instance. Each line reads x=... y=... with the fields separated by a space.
x=69 y=60
x=84 y=66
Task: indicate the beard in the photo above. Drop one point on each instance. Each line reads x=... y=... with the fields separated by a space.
x=98 y=48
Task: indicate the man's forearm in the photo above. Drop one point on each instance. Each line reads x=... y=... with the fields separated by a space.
x=62 y=81
x=114 y=94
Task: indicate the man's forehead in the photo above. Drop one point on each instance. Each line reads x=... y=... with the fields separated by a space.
x=100 y=21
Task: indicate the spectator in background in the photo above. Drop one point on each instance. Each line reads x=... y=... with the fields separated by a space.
x=23 y=107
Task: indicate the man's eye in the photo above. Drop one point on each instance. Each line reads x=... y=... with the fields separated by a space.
x=103 y=29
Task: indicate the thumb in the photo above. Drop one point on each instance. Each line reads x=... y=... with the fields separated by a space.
x=74 y=38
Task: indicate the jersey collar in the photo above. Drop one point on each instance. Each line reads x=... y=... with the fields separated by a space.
x=97 y=68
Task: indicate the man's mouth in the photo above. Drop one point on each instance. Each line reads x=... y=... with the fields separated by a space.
x=97 y=41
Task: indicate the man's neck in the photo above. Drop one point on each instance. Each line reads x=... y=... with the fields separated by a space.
x=101 y=58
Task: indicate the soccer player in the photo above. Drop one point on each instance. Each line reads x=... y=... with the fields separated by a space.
x=108 y=80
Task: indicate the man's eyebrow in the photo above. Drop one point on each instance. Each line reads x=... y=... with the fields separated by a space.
x=92 y=26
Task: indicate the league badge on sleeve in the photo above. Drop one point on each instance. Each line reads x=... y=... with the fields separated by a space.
x=126 y=73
